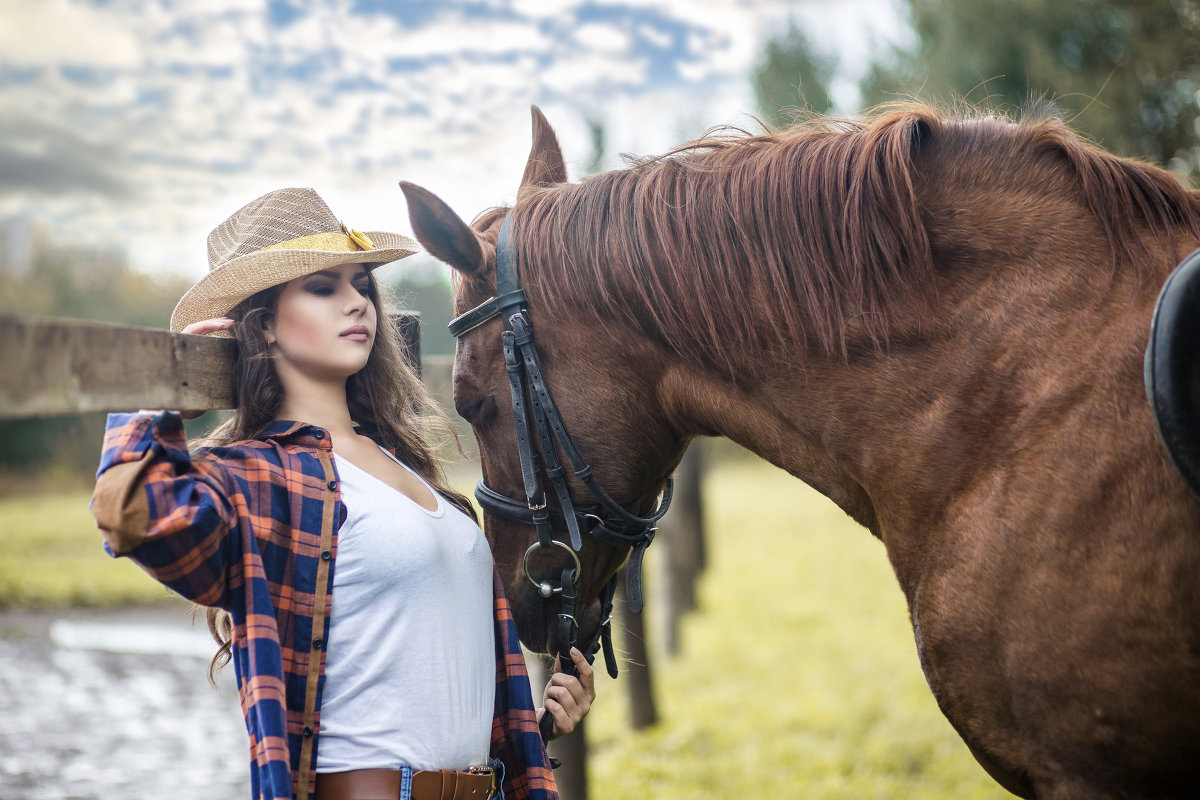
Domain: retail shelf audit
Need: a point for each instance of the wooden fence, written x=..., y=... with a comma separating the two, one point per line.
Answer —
x=59, y=366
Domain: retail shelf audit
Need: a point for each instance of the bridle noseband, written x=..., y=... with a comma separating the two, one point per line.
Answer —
x=535, y=412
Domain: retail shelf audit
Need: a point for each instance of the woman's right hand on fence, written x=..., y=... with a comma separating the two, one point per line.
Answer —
x=209, y=325
x=202, y=327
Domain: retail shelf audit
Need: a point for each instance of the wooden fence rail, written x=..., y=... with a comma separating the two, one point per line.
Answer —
x=60, y=366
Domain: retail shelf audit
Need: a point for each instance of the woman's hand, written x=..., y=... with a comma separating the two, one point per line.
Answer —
x=209, y=325
x=202, y=327
x=568, y=699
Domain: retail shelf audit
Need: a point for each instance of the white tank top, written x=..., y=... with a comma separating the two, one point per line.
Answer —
x=410, y=672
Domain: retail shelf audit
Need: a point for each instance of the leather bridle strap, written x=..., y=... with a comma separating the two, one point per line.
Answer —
x=535, y=497
x=536, y=413
x=484, y=312
x=569, y=628
x=544, y=417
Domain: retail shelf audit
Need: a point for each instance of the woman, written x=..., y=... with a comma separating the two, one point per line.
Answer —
x=374, y=652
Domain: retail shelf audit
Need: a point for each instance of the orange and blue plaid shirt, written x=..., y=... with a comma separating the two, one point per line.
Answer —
x=252, y=528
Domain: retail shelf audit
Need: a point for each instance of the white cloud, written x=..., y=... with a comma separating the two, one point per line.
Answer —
x=603, y=37
x=542, y=9
x=659, y=38
x=202, y=105
x=451, y=33
x=40, y=33
x=589, y=73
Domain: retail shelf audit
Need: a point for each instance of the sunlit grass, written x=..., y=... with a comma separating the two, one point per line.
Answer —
x=51, y=556
x=798, y=677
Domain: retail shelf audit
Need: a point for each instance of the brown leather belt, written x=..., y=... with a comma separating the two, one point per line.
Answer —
x=478, y=783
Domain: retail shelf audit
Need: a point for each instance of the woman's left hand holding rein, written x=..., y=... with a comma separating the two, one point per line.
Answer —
x=198, y=328
x=567, y=698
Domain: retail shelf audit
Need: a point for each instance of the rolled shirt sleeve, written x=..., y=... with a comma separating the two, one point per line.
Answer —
x=167, y=511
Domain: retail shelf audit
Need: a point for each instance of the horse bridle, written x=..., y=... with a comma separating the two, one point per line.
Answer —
x=606, y=520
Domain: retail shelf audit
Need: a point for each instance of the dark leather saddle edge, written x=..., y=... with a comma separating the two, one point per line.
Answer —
x=1172, y=368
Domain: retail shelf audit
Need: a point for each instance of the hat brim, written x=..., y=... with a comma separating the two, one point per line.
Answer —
x=221, y=290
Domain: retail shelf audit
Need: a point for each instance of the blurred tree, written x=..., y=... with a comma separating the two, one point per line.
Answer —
x=597, y=133
x=88, y=283
x=79, y=283
x=792, y=76
x=428, y=293
x=1124, y=72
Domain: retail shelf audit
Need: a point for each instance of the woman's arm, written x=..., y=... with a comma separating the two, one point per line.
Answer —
x=170, y=513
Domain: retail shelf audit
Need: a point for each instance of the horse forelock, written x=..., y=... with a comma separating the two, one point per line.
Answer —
x=786, y=240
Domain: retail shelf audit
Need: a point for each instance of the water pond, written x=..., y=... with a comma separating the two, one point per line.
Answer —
x=116, y=704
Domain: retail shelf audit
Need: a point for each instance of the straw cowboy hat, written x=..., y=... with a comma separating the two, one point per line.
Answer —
x=281, y=236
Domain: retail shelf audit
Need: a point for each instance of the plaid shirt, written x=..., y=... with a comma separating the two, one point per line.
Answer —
x=252, y=528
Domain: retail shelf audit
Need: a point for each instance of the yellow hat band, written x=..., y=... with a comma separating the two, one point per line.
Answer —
x=351, y=242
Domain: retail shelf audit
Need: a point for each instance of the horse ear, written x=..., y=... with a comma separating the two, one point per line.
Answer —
x=441, y=231
x=545, y=166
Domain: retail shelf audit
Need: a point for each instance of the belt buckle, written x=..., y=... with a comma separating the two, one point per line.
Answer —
x=491, y=773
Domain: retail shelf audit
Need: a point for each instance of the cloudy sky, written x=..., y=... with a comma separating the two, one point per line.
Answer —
x=142, y=124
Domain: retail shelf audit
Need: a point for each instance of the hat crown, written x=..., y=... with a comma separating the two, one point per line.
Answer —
x=277, y=216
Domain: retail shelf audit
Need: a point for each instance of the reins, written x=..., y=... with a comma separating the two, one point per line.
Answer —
x=535, y=412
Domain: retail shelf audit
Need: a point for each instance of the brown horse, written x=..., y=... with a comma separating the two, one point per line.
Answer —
x=938, y=323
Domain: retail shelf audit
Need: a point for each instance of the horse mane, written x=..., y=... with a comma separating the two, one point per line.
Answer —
x=804, y=231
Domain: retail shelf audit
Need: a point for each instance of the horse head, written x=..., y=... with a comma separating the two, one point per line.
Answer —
x=613, y=418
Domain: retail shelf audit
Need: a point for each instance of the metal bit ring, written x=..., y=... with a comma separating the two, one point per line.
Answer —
x=544, y=587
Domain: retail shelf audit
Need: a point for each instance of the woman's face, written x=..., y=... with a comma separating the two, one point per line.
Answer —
x=325, y=323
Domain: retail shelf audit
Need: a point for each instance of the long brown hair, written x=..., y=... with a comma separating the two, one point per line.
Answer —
x=385, y=397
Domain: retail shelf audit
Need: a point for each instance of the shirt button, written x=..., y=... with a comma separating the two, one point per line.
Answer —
x=326, y=555
x=319, y=434
x=307, y=731
x=333, y=484
x=318, y=643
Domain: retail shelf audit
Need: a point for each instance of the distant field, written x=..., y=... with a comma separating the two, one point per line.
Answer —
x=798, y=677
x=51, y=556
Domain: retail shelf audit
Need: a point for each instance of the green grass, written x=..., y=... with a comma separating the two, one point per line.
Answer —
x=798, y=677
x=51, y=556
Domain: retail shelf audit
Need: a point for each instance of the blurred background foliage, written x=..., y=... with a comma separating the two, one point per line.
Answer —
x=1125, y=73
x=793, y=75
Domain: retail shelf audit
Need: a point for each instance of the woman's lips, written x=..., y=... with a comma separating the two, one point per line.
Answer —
x=358, y=333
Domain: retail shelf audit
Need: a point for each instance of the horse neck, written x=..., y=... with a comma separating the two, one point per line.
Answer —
x=1019, y=346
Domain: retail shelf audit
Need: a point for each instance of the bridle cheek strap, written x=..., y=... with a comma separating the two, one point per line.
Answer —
x=534, y=409
x=545, y=414
x=535, y=498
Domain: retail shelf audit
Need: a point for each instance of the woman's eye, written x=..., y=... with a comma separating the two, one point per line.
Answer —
x=364, y=290
x=320, y=289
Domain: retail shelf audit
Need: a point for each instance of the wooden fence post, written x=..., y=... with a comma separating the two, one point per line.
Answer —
x=643, y=711
x=682, y=533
